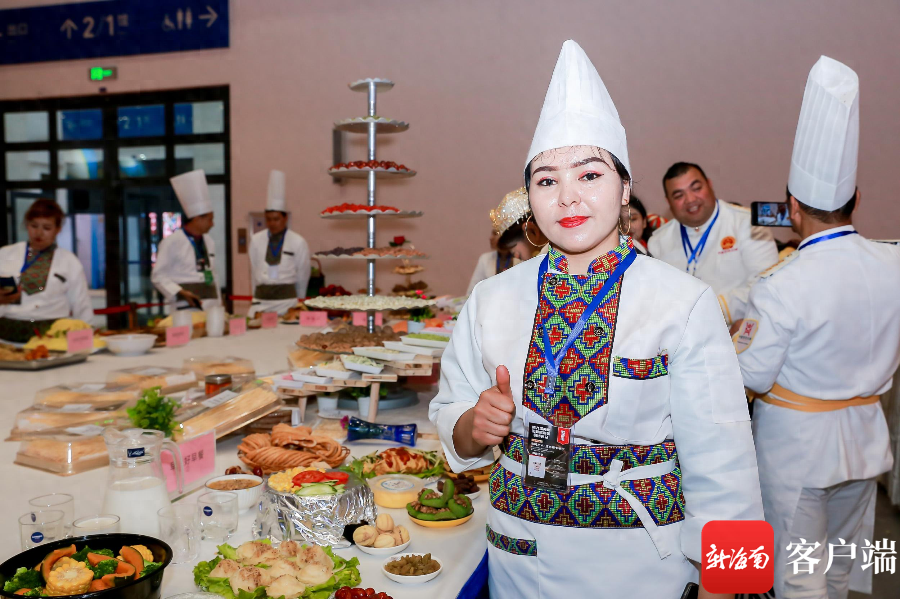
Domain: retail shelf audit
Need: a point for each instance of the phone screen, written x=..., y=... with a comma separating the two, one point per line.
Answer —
x=770, y=214
x=8, y=285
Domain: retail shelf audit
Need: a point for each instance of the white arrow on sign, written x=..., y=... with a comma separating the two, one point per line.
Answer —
x=69, y=27
x=210, y=17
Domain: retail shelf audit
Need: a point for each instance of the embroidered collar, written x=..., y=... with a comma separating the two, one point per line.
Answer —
x=602, y=264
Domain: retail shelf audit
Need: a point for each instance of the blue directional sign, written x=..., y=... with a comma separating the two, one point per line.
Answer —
x=111, y=28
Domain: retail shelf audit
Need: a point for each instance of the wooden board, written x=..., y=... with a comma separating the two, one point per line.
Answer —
x=417, y=372
x=418, y=361
x=386, y=376
x=347, y=383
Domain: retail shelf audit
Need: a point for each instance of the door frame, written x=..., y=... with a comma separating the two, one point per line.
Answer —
x=115, y=233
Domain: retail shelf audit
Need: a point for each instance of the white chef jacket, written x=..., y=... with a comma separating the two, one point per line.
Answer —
x=735, y=254
x=700, y=404
x=824, y=323
x=66, y=292
x=293, y=268
x=176, y=263
x=486, y=267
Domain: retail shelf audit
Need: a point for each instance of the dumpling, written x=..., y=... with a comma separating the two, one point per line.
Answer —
x=225, y=568
x=314, y=555
x=289, y=548
x=282, y=566
x=248, y=579
x=285, y=587
x=254, y=553
x=314, y=574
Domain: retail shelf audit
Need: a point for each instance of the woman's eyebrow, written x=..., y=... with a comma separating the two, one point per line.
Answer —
x=575, y=165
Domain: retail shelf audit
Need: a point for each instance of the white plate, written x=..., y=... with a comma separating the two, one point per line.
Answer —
x=380, y=354
x=365, y=257
x=361, y=125
x=433, y=486
x=411, y=341
x=383, y=551
x=330, y=373
x=374, y=370
x=420, y=350
x=308, y=377
x=362, y=85
x=411, y=578
x=403, y=214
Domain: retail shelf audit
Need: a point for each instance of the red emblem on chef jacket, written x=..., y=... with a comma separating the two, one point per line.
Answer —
x=728, y=242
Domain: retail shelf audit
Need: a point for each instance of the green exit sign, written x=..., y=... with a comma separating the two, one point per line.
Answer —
x=102, y=73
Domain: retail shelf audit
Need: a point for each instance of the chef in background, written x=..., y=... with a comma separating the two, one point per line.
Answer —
x=820, y=343
x=711, y=239
x=279, y=257
x=185, y=269
x=48, y=282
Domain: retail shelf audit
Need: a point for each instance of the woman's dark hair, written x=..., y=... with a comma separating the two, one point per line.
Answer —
x=621, y=171
x=635, y=203
x=513, y=235
x=45, y=208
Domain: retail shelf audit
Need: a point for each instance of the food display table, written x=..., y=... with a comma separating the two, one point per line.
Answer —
x=460, y=549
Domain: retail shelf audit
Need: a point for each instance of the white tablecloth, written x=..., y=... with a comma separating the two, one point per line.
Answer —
x=460, y=548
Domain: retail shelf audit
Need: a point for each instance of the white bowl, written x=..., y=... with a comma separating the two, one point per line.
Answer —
x=383, y=551
x=411, y=578
x=130, y=344
x=247, y=498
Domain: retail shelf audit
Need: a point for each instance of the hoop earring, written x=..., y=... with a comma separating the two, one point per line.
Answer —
x=622, y=230
x=525, y=231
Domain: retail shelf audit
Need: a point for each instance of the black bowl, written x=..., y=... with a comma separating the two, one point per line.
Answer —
x=145, y=587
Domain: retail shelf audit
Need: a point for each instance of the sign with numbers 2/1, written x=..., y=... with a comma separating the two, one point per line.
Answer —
x=111, y=28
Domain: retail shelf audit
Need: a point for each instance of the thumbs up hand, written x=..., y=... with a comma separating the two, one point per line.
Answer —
x=494, y=411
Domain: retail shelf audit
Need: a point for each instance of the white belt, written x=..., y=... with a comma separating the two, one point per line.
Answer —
x=665, y=544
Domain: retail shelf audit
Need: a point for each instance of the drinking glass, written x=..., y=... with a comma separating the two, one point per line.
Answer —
x=63, y=502
x=95, y=524
x=41, y=526
x=218, y=513
x=179, y=527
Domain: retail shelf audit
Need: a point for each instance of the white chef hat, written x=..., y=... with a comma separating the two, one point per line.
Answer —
x=578, y=110
x=823, y=164
x=275, y=198
x=193, y=193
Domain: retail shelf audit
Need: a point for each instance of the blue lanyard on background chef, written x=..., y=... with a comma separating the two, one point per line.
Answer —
x=549, y=448
x=201, y=258
x=692, y=253
x=276, y=252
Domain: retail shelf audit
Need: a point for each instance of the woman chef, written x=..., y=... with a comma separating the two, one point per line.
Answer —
x=185, y=269
x=279, y=258
x=50, y=280
x=607, y=379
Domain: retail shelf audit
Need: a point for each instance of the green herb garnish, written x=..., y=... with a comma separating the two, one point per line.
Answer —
x=154, y=411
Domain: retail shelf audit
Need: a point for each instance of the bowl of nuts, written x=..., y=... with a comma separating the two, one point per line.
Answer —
x=384, y=539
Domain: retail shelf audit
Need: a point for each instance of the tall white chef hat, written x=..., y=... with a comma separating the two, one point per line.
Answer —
x=275, y=198
x=823, y=165
x=578, y=110
x=193, y=193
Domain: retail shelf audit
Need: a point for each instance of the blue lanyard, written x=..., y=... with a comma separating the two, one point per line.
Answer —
x=200, y=259
x=27, y=264
x=277, y=253
x=552, y=362
x=695, y=253
x=830, y=236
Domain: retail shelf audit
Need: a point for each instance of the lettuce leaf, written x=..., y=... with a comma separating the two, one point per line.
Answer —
x=259, y=592
x=24, y=578
x=221, y=586
x=203, y=569
x=227, y=551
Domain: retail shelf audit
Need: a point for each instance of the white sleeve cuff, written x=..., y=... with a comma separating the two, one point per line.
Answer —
x=446, y=421
x=169, y=289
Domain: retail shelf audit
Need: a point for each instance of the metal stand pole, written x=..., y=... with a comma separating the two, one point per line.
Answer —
x=370, y=240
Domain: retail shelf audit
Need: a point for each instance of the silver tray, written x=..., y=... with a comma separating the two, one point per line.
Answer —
x=42, y=363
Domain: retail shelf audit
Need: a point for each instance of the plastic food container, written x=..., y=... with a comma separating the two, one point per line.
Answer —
x=395, y=490
x=85, y=396
x=210, y=365
x=143, y=378
x=63, y=454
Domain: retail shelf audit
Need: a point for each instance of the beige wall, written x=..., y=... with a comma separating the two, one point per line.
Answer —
x=714, y=82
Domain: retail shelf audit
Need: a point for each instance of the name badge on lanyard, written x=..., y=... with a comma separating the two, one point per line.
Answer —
x=549, y=450
x=208, y=277
x=691, y=252
x=273, y=272
x=276, y=252
x=548, y=447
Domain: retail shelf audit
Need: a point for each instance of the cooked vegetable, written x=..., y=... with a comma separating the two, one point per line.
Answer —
x=146, y=554
x=135, y=558
x=460, y=506
x=52, y=558
x=104, y=567
x=68, y=578
x=24, y=578
x=430, y=498
x=413, y=565
x=150, y=567
x=82, y=555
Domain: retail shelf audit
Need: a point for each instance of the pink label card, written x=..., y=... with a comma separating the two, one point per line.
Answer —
x=359, y=318
x=314, y=318
x=269, y=320
x=80, y=341
x=178, y=336
x=237, y=326
x=198, y=458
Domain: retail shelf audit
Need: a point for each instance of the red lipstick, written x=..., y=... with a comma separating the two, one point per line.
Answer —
x=570, y=222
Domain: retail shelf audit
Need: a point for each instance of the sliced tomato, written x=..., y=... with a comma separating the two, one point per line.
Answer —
x=338, y=476
x=308, y=477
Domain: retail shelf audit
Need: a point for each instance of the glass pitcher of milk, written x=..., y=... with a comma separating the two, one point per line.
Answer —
x=136, y=485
